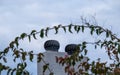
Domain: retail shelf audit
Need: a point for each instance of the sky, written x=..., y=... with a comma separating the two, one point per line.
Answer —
x=18, y=16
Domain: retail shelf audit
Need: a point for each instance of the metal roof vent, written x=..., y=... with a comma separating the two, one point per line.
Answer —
x=51, y=45
x=71, y=48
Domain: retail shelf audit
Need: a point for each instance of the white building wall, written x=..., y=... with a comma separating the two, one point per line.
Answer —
x=49, y=57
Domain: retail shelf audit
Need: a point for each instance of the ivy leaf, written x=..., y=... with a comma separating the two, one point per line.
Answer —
x=119, y=49
x=34, y=36
x=107, y=33
x=59, y=25
x=26, y=73
x=92, y=29
x=46, y=31
x=17, y=44
x=95, y=46
x=85, y=51
x=56, y=29
x=64, y=28
x=31, y=57
x=24, y=56
x=78, y=29
x=75, y=28
x=8, y=72
x=23, y=35
x=33, y=31
x=97, y=31
x=29, y=38
x=69, y=28
x=45, y=67
x=16, y=39
x=42, y=33
x=11, y=44
x=82, y=28
x=25, y=64
x=73, y=63
x=39, y=57
x=18, y=72
x=12, y=73
x=4, y=59
x=16, y=52
x=6, y=50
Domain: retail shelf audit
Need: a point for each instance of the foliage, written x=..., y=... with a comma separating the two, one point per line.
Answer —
x=112, y=46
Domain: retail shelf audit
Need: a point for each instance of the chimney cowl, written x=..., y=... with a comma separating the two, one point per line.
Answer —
x=71, y=48
x=51, y=45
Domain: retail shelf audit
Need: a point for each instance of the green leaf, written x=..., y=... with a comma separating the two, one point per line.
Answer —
x=25, y=64
x=11, y=44
x=12, y=73
x=42, y=33
x=26, y=73
x=31, y=57
x=33, y=31
x=56, y=29
x=17, y=39
x=92, y=30
x=95, y=46
x=73, y=63
x=18, y=65
x=101, y=30
x=85, y=51
x=78, y=29
x=24, y=56
x=69, y=28
x=6, y=50
x=46, y=31
x=82, y=28
x=18, y=72
x=23, y=35
x=45, y=67
x=8, y=72
x=107, y=34
x=21, y=49
x=39, y=57
x=4, y=59
x=97, y=31
x=16, y=52
x=64, y=28
x=75, y=28
x=29, y=37
x=17, y=44
x=59, y=25
x=119, y=49
x=102, y=45
x=34, y=36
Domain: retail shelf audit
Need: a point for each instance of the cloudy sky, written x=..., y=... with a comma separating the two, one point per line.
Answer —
x=18, y=16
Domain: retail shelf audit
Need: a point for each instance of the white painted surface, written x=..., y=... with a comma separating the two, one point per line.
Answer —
x=49, y=57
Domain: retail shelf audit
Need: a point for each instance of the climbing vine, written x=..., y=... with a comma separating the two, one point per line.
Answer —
x=112, y=47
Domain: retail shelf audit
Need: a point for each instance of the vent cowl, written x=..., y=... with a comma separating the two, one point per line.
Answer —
x=52, y=45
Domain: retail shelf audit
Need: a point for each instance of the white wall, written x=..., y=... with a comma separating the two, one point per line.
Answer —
x=49, y=57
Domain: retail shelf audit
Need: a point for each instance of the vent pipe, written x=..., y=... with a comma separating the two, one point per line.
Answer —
x=71, y=48
x=52, y=45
